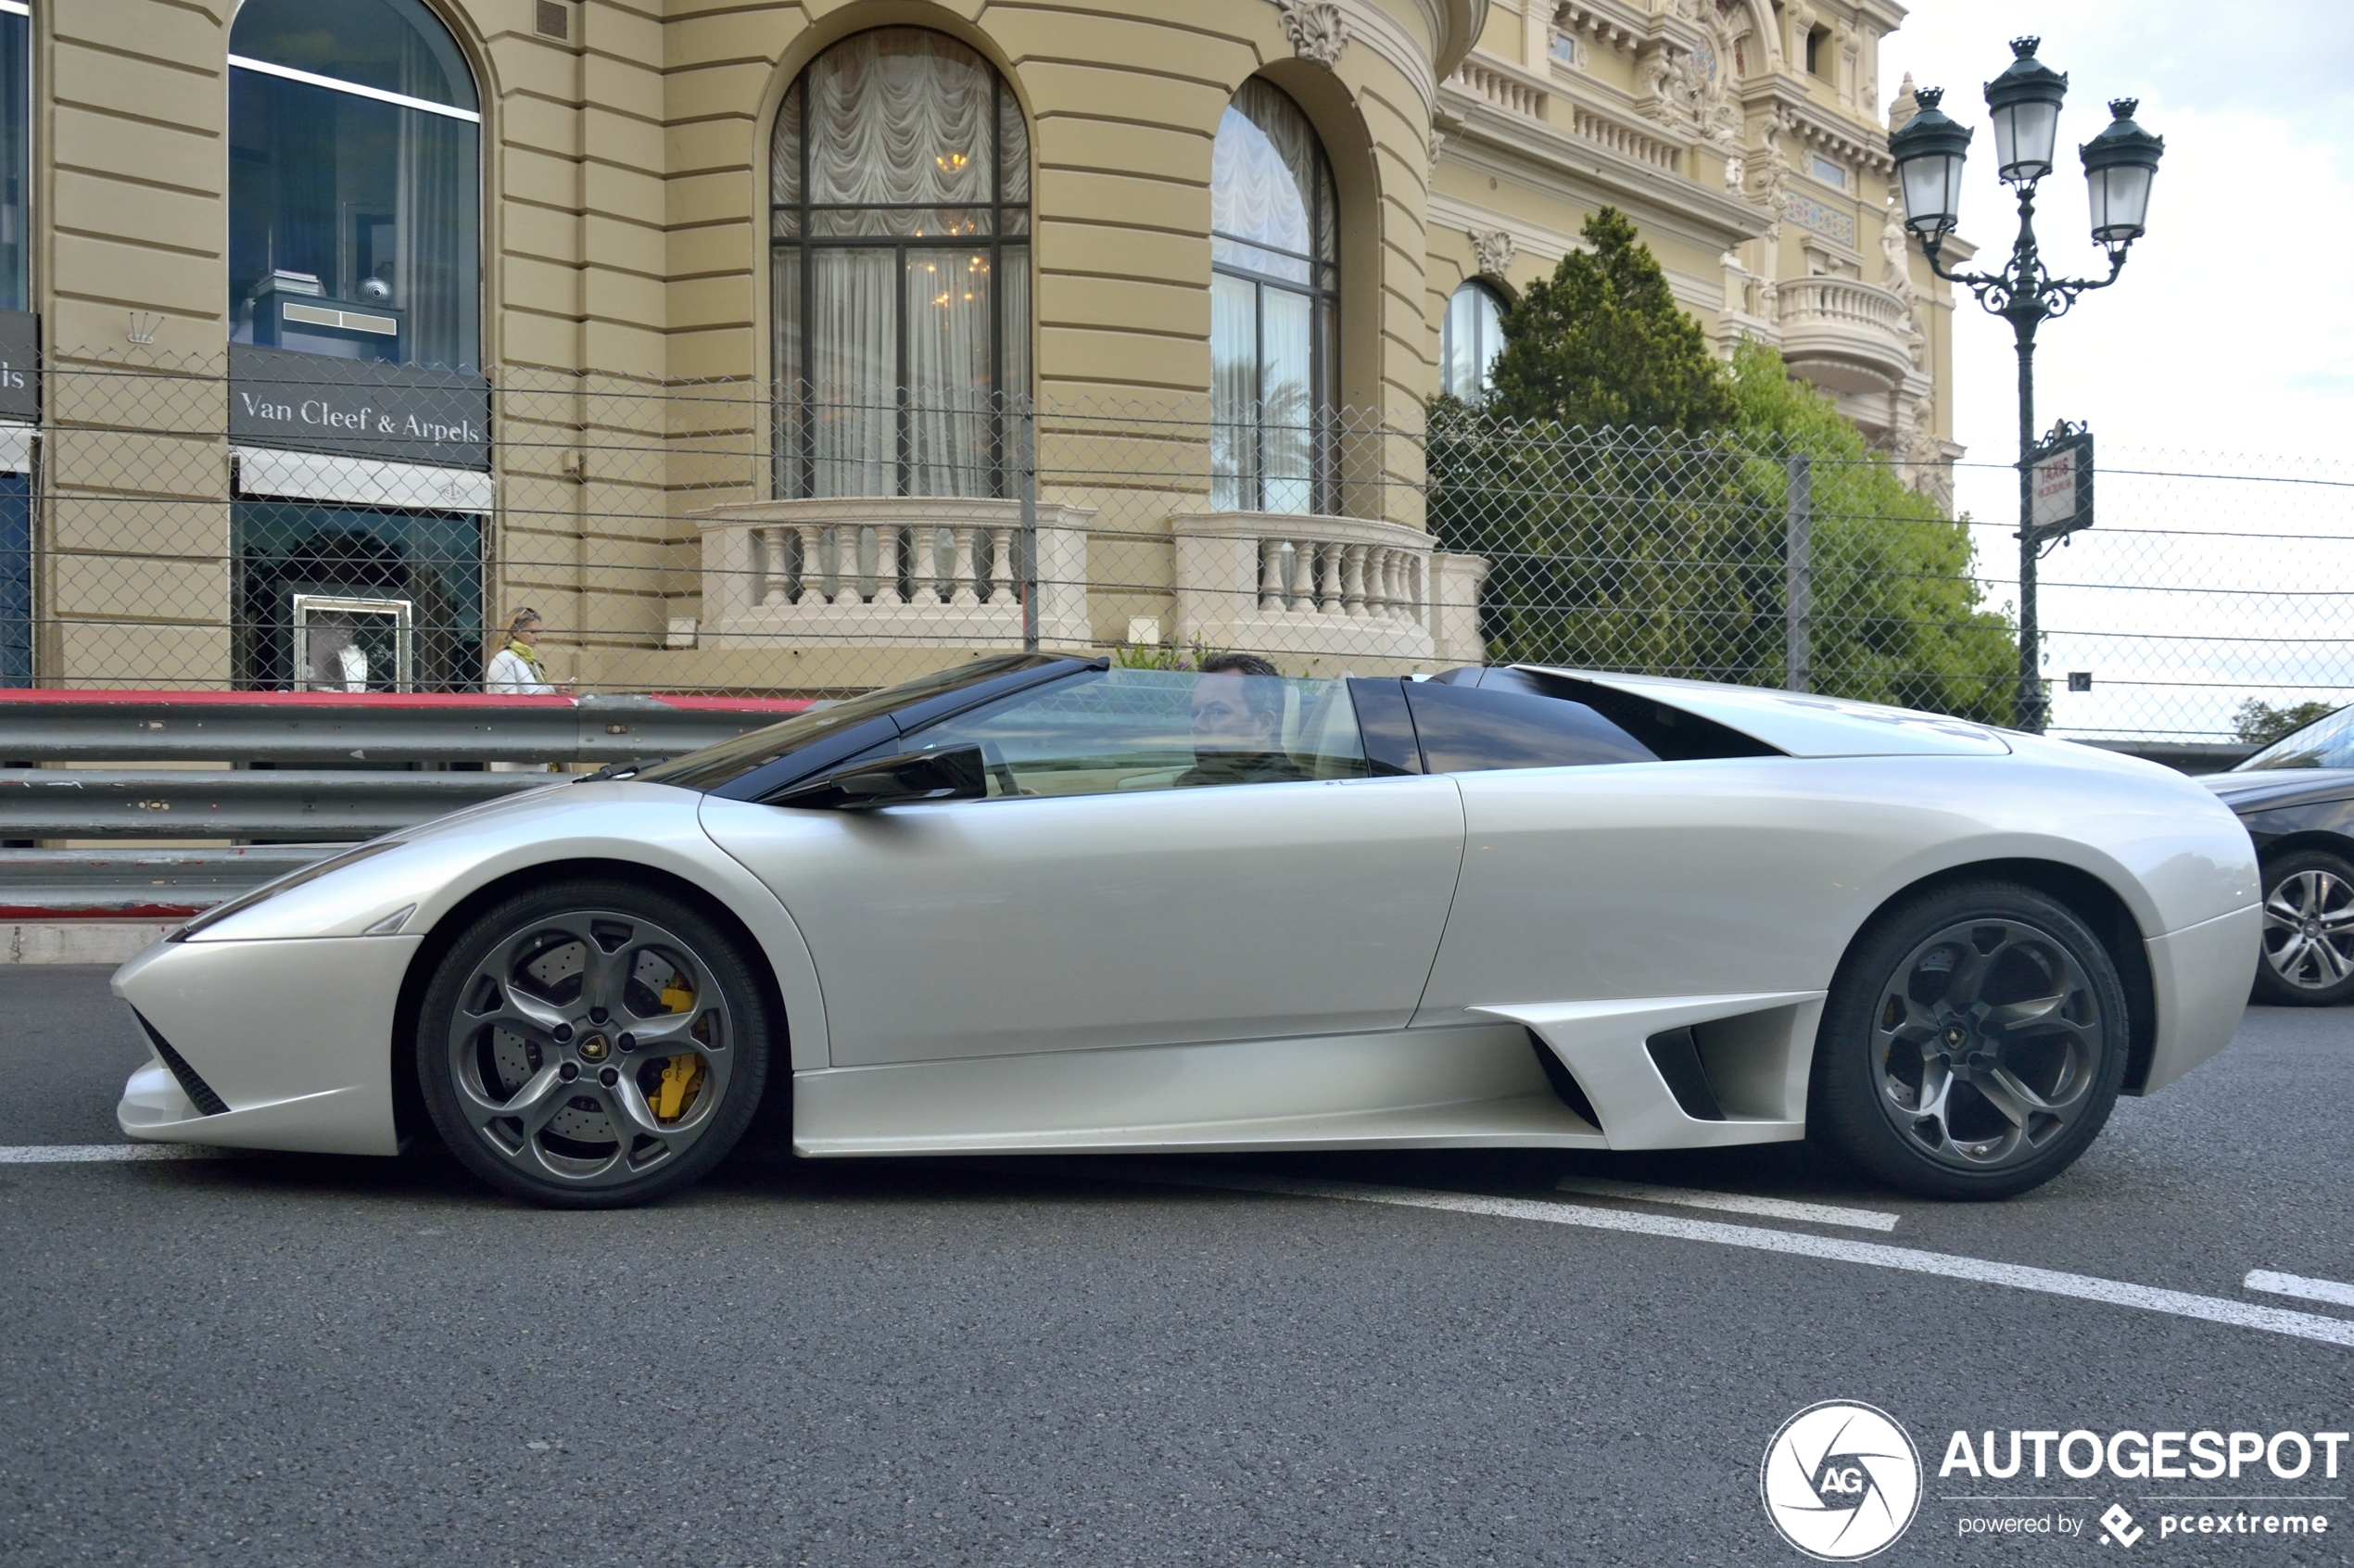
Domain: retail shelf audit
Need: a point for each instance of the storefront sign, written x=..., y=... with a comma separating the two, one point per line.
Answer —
x=357, y=408
x=20, y=367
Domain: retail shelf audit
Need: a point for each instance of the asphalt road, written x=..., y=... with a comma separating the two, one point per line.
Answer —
x=312, y=1360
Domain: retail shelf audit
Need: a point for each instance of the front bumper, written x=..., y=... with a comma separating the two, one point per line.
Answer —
x=293, y=1037
x=2201, y=975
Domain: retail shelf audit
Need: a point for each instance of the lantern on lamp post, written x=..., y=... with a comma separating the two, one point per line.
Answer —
x=2119, y=164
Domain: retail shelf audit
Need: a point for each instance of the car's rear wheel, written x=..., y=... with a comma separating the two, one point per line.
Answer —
x=2308, y=931
x=1972, y=1045
x=591, y=1043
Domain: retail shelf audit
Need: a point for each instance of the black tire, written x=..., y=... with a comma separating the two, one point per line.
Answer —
x=530, y=1056
x=1972, y=1043
x=2308, y=931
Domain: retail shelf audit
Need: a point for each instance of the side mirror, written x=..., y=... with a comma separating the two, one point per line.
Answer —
x=955, y=774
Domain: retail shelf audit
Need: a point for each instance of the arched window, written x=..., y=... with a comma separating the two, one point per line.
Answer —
x=900, y=227
x=354, y=183
x=1274, y=251
x=1470, y=338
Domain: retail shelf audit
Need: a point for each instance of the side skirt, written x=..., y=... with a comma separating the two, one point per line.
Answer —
x=1472, y=1086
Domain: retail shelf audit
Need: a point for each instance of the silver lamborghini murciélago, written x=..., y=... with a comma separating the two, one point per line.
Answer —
x=1037, y=903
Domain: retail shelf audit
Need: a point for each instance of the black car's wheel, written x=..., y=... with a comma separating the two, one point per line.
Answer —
x=589, y=1045
x=2308, y=931
x=1972, y=1043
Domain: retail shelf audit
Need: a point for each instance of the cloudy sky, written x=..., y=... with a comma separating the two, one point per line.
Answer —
x=2233, y=328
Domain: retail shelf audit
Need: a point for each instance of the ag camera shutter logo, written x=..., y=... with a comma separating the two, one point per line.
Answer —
x=1842, y=1481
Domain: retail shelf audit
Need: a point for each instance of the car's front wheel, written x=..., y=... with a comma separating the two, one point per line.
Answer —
x=1972, y=1045
x=2308, y=931
x=592, y=1043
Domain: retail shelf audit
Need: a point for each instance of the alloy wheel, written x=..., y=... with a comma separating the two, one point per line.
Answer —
x=1987, y=1042
x=590, y=1047
x=2308, y=930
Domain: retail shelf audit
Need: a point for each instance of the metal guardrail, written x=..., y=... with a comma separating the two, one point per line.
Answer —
x=315, y=728
x=139, y=884
x=307, y=772
x=284, y=804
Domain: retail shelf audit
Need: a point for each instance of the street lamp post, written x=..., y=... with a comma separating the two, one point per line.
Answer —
x=2119, y=164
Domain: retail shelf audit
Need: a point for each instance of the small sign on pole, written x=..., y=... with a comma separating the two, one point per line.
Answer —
x=2059, y=471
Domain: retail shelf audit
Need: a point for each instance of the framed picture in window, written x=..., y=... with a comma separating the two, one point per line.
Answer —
x=354, y=644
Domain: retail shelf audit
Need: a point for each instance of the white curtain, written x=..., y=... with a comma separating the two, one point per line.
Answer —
x=854, y=372
x=907, y=137
x=949, y=446
x=1234, y=392
x=900, y=115
x=1287, y=377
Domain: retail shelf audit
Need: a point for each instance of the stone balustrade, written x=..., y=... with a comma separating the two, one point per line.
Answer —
x=1337, y=588
x=888, y=571
x=1507, y=92
x=1843, y=335
x=1626, y=140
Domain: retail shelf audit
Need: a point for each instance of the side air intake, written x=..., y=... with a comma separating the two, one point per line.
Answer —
x=1565, y=1086
x=192, y=1082
x=1676, y=1056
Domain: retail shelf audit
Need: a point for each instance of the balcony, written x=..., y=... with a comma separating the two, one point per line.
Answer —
x=1340, y=588
x=1844, y=336
x=889, y=573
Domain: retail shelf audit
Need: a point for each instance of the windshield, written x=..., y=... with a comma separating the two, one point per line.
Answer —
x=2326, y=743
x=731, y=760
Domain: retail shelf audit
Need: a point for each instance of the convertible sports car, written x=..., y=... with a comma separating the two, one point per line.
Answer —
x=1037, y=903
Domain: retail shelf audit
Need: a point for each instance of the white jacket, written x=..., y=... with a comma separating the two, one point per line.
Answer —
x=510, y=677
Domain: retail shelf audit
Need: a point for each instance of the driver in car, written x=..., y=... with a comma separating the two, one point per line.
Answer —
x=1238, y=722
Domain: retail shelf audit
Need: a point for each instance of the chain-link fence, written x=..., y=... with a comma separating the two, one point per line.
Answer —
x=277, y=522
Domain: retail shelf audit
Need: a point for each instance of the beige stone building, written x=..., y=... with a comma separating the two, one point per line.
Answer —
x=707, y=330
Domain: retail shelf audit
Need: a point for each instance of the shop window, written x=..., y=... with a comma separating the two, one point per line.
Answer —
x=1469, y=336
x=900, y=235
x=356, y=599
x=1275, y=253
x=354, y=183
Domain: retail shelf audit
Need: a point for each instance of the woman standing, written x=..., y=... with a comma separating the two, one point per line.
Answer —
x=515, y=670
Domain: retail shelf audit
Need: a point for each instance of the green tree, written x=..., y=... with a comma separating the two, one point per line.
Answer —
x=1603, y=342
x=1661, y=549
x=2259, y=722
x=1898, y=617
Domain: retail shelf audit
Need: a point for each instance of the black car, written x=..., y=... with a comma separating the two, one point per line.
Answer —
x=2297, y=797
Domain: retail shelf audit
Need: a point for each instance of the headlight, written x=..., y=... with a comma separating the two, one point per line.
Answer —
x=287, y=883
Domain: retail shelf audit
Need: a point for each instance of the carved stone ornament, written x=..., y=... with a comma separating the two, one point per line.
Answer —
x=1896, y=269
x=1316, y=30
x=1491, y=251
x=1438, y=141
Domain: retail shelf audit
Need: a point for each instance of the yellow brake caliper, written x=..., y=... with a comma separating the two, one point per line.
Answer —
x=682, y=1075
x=682, y=1079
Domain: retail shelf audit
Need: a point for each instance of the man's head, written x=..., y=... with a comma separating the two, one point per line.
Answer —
x=1238, y=706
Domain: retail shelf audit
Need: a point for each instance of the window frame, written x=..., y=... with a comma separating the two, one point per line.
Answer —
x=485, y=309
x=28, y=126
x=802, y=482
x=1323, y=332
x=1480, y=285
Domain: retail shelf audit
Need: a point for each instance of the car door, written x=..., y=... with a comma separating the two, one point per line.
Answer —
x=1596, y=867
x=1121, y=886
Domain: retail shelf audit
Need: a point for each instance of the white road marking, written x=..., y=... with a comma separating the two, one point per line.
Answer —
x=2293, y=1285
x=1838, y=1249
x=90, y=1154
x=1734, y=1203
